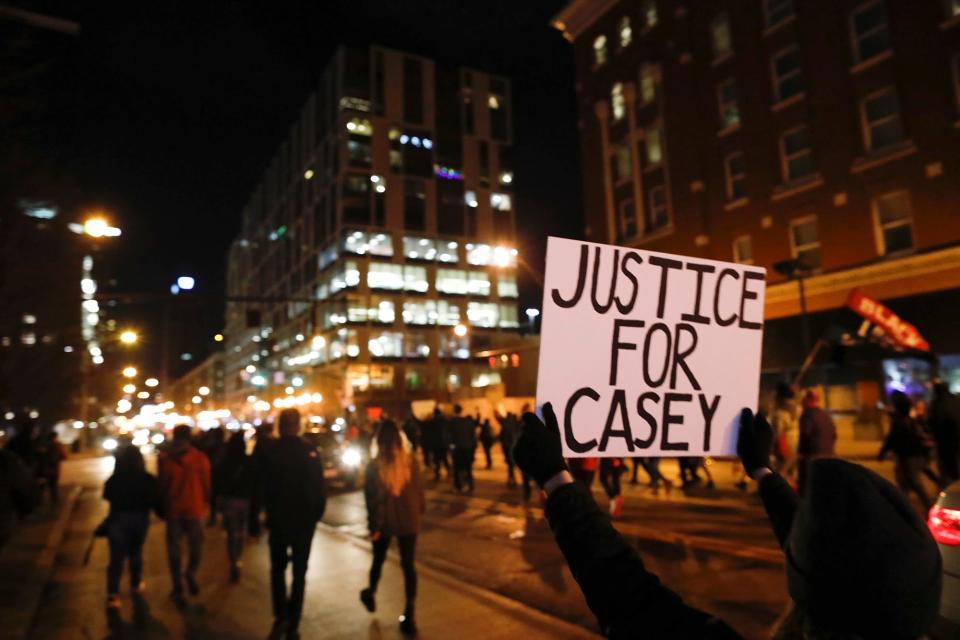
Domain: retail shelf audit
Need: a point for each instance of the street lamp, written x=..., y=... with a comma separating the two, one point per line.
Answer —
x=532, y=315
x=204, y=390
x=460, y=330
x=151, y=382
x=129, y=337
x=129, y=388
x=129, y=372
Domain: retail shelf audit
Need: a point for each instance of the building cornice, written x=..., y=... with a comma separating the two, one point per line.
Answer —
x=578, y=15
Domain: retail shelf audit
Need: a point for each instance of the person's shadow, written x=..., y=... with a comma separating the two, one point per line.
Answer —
x=532, y=548
x=143, y=624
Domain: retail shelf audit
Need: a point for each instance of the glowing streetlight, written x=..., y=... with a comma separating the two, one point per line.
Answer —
x=98, y=227
x=318, y=342
x=218, y=337
x=460, y=330
x=196, y=399
x=143, y=395
x=129, y=337
x=204, y=390
x=151, y=382
x=129, y=372
x=129, y=388
x=186, y=283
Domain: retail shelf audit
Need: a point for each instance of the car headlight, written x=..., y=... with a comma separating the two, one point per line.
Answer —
x=109, y=444
x=351, y=458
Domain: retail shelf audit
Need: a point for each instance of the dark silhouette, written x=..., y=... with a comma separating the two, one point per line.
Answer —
x=818, y=436
x=50, y=454
x=17, y=492
x=236, y=482
x=265, y=441
x=463, y=437
x=910, y=448
x=486, y=441
x=944, y=420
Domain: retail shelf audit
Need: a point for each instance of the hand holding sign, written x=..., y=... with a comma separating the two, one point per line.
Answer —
x=538, y=452
x=646, y=353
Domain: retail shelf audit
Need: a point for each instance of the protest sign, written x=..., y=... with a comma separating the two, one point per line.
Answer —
x=648, y=354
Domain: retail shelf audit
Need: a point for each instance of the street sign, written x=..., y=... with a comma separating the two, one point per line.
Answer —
x=903, y=334
x=648, y=354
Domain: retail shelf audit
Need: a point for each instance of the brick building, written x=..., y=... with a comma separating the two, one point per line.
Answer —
x=377, y=255
x=765, y=130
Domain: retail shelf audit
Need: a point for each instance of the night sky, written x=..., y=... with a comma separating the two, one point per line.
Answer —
x=166, y=114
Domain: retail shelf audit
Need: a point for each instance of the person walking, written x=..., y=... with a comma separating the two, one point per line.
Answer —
x=265, y=441
x=185, y=486
x=486, y=441
x=18, y=492
x=944, y=420
x=133, y=494
x=610, y=470
x=50, y=456
x=295, y=497
x=236, y=479
x=441, y=443
x=786, y=430
x=463, y=437
x=509, y=430
x=652, y=467
x=395, y=502
x=910, y=448
x=411, y=429
x=818, y=436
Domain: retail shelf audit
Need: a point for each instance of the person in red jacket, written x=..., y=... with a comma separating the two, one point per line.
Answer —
x=185, y=486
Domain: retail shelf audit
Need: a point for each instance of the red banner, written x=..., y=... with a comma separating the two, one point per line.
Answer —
x=902, y=333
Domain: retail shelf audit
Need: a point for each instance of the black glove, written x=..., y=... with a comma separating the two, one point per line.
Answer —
x=537, y=451
x=755, y=441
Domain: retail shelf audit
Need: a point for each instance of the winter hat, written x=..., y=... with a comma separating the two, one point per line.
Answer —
x=859, y=558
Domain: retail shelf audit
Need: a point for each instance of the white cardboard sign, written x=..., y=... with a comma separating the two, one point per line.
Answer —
x=648, y=354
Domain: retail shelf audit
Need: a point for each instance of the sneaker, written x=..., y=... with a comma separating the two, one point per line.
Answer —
x=192, y=585
x=366, y=597
x=113, y=601
x=616, y=507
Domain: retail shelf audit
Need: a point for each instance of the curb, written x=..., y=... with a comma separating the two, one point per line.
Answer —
x=18, y=619
x=559, y=627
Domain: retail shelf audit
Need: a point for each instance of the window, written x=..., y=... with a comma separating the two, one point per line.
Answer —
x=482, y=314
x=648, y=11
x=600, y=50
x=467, y=112
x=478, y=283
x=412, y=90
x=623, y=163
x=344, y=342
x=894, y=222
x=448, y=315
x=420, y=312
x=654, y=149
x=881, y=120
x=356, y=308
x=870, y=36
x=415, y=378
x=498, y=115
x=507, y=285
x=415, y=278
x=736, y=173
x=659, y=213
x=743, y=250
x=727, y=98
x=628, y=218
x=414, y=205
x=388, y=344
x=385, y=276
x=419, y=248
x=470, y=199
x=777, y=11
x=452, y=281
x=626, y=33
x=805, y=241
x=483, y=160
x=509, y=318
x=362, y=243
x=720, y=40
x=415, y=345
x=796, y=159
x=448, y=251
x=347, y=275
x=381, y=310
x=501, y=201
x=358, y=153
x=787, y=79
x=484, y=378
x=479, y=254
x=363, y=377
x=648, y=83
x=360, y=127
x=617, y=101
x=453, y=346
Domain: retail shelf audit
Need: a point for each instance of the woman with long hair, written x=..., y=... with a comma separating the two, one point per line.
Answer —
x=132, y=493
x=236, y=482
x=395, y=502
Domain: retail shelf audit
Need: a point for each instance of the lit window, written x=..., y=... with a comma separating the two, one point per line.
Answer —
x=787, y=79
x=385, y=276
x=347, y=275
x=870, y=36
x=736, y=174
x=478, y=283
x=388, y=344
x=507, y=285
x=648, y=83
x=659, y=210
x=479, y=254
x=452, y=281
x=417, y=248
x=727, y=98
x=493, y=102
x=743, y=250
x=628, y=218
x=415, y=278
x=470, y=198
x=358, y=153
x=653, y=145
x=600, y=50
x=509, y=318
x=381, y=310
x=500, y=202
x=356, y=308
x=420, y=312
x=28, y=338
x=626, y=33
x=796, y=158
x=415, y=378
x=344, y=343
x=894, y=220
x=720, y=40
x=361, y=243
x=623, y=162
x=482, y=314
x=453, y=346
x=777, y=11
x=484, y=378
x=448, y=251
x=618, y=102
x=360, y=127
x=648, y=11
x=881, y=120
x=805, y=241
x=448, y=315
x=415, y=345
x=363, y=377
x=29, y=318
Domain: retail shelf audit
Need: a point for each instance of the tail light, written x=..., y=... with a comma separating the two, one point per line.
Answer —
x=944, y=524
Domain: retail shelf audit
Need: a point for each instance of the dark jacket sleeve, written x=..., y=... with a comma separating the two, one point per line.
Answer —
x=780, y=502
x=320, y=485
x=371, y=494
x=628, y=600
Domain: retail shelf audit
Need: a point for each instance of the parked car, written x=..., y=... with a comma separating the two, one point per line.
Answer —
x=944, y=524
